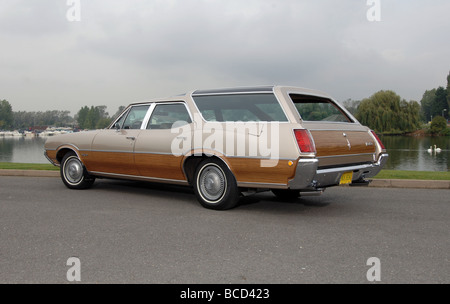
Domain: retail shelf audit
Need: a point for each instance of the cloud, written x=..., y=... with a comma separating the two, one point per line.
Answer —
x=123, y=51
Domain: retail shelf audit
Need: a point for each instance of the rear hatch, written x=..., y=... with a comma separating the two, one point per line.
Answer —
x=336, y=148
x=339, y=139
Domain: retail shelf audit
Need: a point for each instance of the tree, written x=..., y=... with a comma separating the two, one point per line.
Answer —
x=426, y=104
x=93, y=117
x=119, y=111
x=351, y=105
x=6, y=115
x=440, y=103
x=385, y=112
x=81, y=116
x=448, y=92
x=438, y=125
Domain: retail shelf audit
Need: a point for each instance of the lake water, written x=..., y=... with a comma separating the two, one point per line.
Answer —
x=406, y=153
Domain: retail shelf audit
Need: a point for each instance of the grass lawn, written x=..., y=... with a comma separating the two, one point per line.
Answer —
x=16, y=166
x=421, y=175
x=384, y=174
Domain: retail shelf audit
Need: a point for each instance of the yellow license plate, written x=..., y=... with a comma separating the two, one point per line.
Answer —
x=346, y=178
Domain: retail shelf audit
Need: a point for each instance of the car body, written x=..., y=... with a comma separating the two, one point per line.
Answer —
x=225, y=143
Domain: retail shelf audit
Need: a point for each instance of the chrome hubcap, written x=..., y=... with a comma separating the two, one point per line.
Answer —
x=73, y=170
x=212, y=183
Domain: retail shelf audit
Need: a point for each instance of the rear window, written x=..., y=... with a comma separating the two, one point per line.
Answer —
x=240, y=107
x=312, y=108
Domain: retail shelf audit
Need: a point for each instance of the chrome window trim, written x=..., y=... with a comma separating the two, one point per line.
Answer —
x=147, y=116
x=346, y=155
x=231, y=93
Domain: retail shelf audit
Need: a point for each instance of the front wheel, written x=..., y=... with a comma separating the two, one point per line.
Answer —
x=74, y=174
x=215, y=186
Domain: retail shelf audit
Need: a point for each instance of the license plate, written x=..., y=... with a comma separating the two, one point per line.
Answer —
x=346, y=178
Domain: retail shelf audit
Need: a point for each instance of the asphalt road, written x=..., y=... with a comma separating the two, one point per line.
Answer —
x=128, y=232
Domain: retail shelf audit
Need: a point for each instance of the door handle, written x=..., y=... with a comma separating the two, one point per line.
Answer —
x=182, y=137
x=131, y=137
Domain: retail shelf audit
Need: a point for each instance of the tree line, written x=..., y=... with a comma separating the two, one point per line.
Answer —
x=387, y=113
x=94, y=117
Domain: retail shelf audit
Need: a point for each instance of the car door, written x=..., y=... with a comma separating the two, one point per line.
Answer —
x=159, y=148
x=113, y=149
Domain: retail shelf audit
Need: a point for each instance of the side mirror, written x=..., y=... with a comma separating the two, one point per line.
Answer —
x=117, y=126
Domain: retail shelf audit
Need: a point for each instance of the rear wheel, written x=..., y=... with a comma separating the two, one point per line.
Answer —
x=73, y=172
x=215, y=186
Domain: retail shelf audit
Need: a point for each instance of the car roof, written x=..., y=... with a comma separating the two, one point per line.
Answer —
x=234, y=90
x=237, y=90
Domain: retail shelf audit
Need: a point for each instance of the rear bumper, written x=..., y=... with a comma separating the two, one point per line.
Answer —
x=309, y=177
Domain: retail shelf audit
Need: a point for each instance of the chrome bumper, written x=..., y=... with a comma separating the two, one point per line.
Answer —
x=309, y=177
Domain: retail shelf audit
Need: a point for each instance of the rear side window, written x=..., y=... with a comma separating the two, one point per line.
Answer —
x=312, y=108
x=240, y=107
x=164, y=116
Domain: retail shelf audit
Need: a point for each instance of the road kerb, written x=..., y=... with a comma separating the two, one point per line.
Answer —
x=379, y=183
x=411, y=183
x=30, y=173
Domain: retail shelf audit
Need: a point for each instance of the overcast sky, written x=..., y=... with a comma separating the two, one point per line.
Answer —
x=126, y=51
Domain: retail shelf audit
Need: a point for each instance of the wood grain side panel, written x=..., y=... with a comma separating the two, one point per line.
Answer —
x=110, y=162
x=159, y=166
x=250, y=171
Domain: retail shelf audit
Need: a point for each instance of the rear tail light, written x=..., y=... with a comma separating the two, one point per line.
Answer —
x=305, y=141
x=378, y=140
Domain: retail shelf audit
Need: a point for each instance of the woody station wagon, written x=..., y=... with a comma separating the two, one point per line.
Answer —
x=226, y=143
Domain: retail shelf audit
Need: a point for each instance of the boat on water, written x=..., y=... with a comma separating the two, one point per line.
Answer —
x=11, y=134
x=29, y=134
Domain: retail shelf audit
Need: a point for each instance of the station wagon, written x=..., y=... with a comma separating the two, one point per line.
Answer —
x=225, y=143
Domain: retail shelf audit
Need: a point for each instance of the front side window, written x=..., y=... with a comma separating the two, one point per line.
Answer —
x=240, y=107
x=164, y=116
x=135, y=117
x=120, y=121
x=313, y=108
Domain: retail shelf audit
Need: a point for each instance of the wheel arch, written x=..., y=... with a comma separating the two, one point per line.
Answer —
x=191, y=163
x=62, y=151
